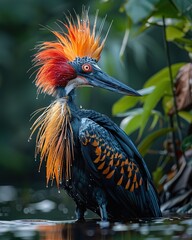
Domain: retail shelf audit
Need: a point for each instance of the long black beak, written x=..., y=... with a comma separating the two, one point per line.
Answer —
x=103, y=80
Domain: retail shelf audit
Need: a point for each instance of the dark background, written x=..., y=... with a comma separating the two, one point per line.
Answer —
x=21, y=28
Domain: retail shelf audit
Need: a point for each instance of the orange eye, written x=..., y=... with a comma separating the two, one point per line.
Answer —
x=87, y=68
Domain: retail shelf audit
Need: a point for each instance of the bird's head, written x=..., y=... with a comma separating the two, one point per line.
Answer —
x=71, y=61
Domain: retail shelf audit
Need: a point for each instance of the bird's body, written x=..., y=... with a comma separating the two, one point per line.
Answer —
x=86, y=153
x=108, y=173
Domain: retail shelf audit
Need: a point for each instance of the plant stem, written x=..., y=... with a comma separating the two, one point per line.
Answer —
x=174, y=99
x=174, y=142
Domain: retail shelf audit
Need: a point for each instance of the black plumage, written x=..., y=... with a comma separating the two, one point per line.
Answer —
x=109, y=175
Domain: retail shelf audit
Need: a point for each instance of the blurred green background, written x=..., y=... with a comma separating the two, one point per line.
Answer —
x=21, y=28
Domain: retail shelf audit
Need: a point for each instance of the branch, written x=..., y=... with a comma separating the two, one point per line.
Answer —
x=174, y=98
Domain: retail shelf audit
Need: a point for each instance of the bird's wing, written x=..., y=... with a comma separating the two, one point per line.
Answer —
x=120, y=136
x=115, y=168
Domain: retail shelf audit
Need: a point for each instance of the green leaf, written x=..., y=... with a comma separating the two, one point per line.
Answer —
x=124, y=104
x=163, y=74
x=157, y=175
x=131, y=123
x=138, y=10
x=149, y=140
x=187, y=143
x=133, y=120
x=186, y=115
x=184, y=7
x=127, y=102
x=184, y=43
x=173, y=33
x=132, y=112
x=188, y=49
x=184, y=25
x=146, y=91
x=151, y=101
x=155, y=121
x=167, y=9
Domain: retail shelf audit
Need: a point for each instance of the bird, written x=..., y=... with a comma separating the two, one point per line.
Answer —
x=85, y=152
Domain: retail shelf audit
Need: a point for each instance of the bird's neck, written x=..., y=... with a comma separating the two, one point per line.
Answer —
x=69, y=98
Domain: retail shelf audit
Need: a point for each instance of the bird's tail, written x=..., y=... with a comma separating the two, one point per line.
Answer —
x=153, y=198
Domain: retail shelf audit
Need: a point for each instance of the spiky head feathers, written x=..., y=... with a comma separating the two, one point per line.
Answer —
x=53, y=58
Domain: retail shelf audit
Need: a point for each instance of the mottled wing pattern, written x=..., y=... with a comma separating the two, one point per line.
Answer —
x=107, y=157
x=120, y=136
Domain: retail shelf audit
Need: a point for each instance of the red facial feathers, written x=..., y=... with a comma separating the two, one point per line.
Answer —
x=54, y=70
x=53, y=57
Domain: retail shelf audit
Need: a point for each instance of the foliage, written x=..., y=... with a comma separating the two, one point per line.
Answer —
x=163, y=112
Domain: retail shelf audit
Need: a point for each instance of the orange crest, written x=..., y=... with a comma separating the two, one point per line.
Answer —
x=80, y=40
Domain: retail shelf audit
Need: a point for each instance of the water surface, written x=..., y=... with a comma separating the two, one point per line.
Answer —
x=45, y=214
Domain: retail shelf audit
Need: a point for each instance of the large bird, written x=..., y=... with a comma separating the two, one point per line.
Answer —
x=86, y=153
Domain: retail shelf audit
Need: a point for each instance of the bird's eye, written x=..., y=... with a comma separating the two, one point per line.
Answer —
x=87, y=68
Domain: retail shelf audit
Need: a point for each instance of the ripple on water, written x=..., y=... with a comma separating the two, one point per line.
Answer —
x=44, y=229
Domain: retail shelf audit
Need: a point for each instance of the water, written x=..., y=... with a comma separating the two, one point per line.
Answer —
x=45, y=214
x=164, y=228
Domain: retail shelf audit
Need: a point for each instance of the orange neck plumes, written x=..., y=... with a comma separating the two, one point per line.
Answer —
x=55, y=141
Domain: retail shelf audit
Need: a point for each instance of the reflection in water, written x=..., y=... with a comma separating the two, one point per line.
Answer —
x=48, y=204
x=56, y=232
x=75, y=231
x=164, y=228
